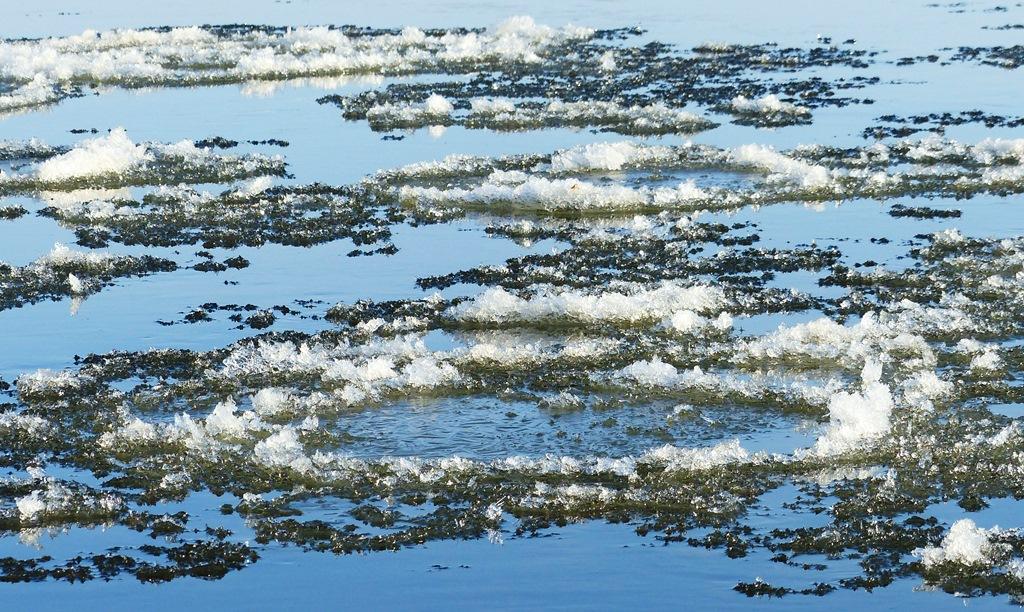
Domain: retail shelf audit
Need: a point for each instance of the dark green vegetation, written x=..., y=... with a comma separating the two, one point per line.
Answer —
x=636, y=94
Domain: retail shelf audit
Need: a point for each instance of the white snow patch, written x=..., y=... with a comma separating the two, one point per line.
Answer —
x=766, y=105
x=497, y=304
x=783, y=167
x=858, y=418
x=283, y=449
x=965, y=544
x=114, y=153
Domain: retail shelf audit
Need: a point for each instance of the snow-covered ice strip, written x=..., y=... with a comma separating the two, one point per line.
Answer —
x=116, y=158
x=186, y=55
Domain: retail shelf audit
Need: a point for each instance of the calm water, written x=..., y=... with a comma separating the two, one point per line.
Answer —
x=583, y=566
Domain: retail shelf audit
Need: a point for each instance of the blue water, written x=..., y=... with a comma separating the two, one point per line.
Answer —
x=587, y=566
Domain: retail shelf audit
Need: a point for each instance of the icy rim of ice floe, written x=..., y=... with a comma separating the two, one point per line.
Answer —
x=45, y=71
x=509, y=115
x=115, y=160
x=930, y=167
x=69, y=272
